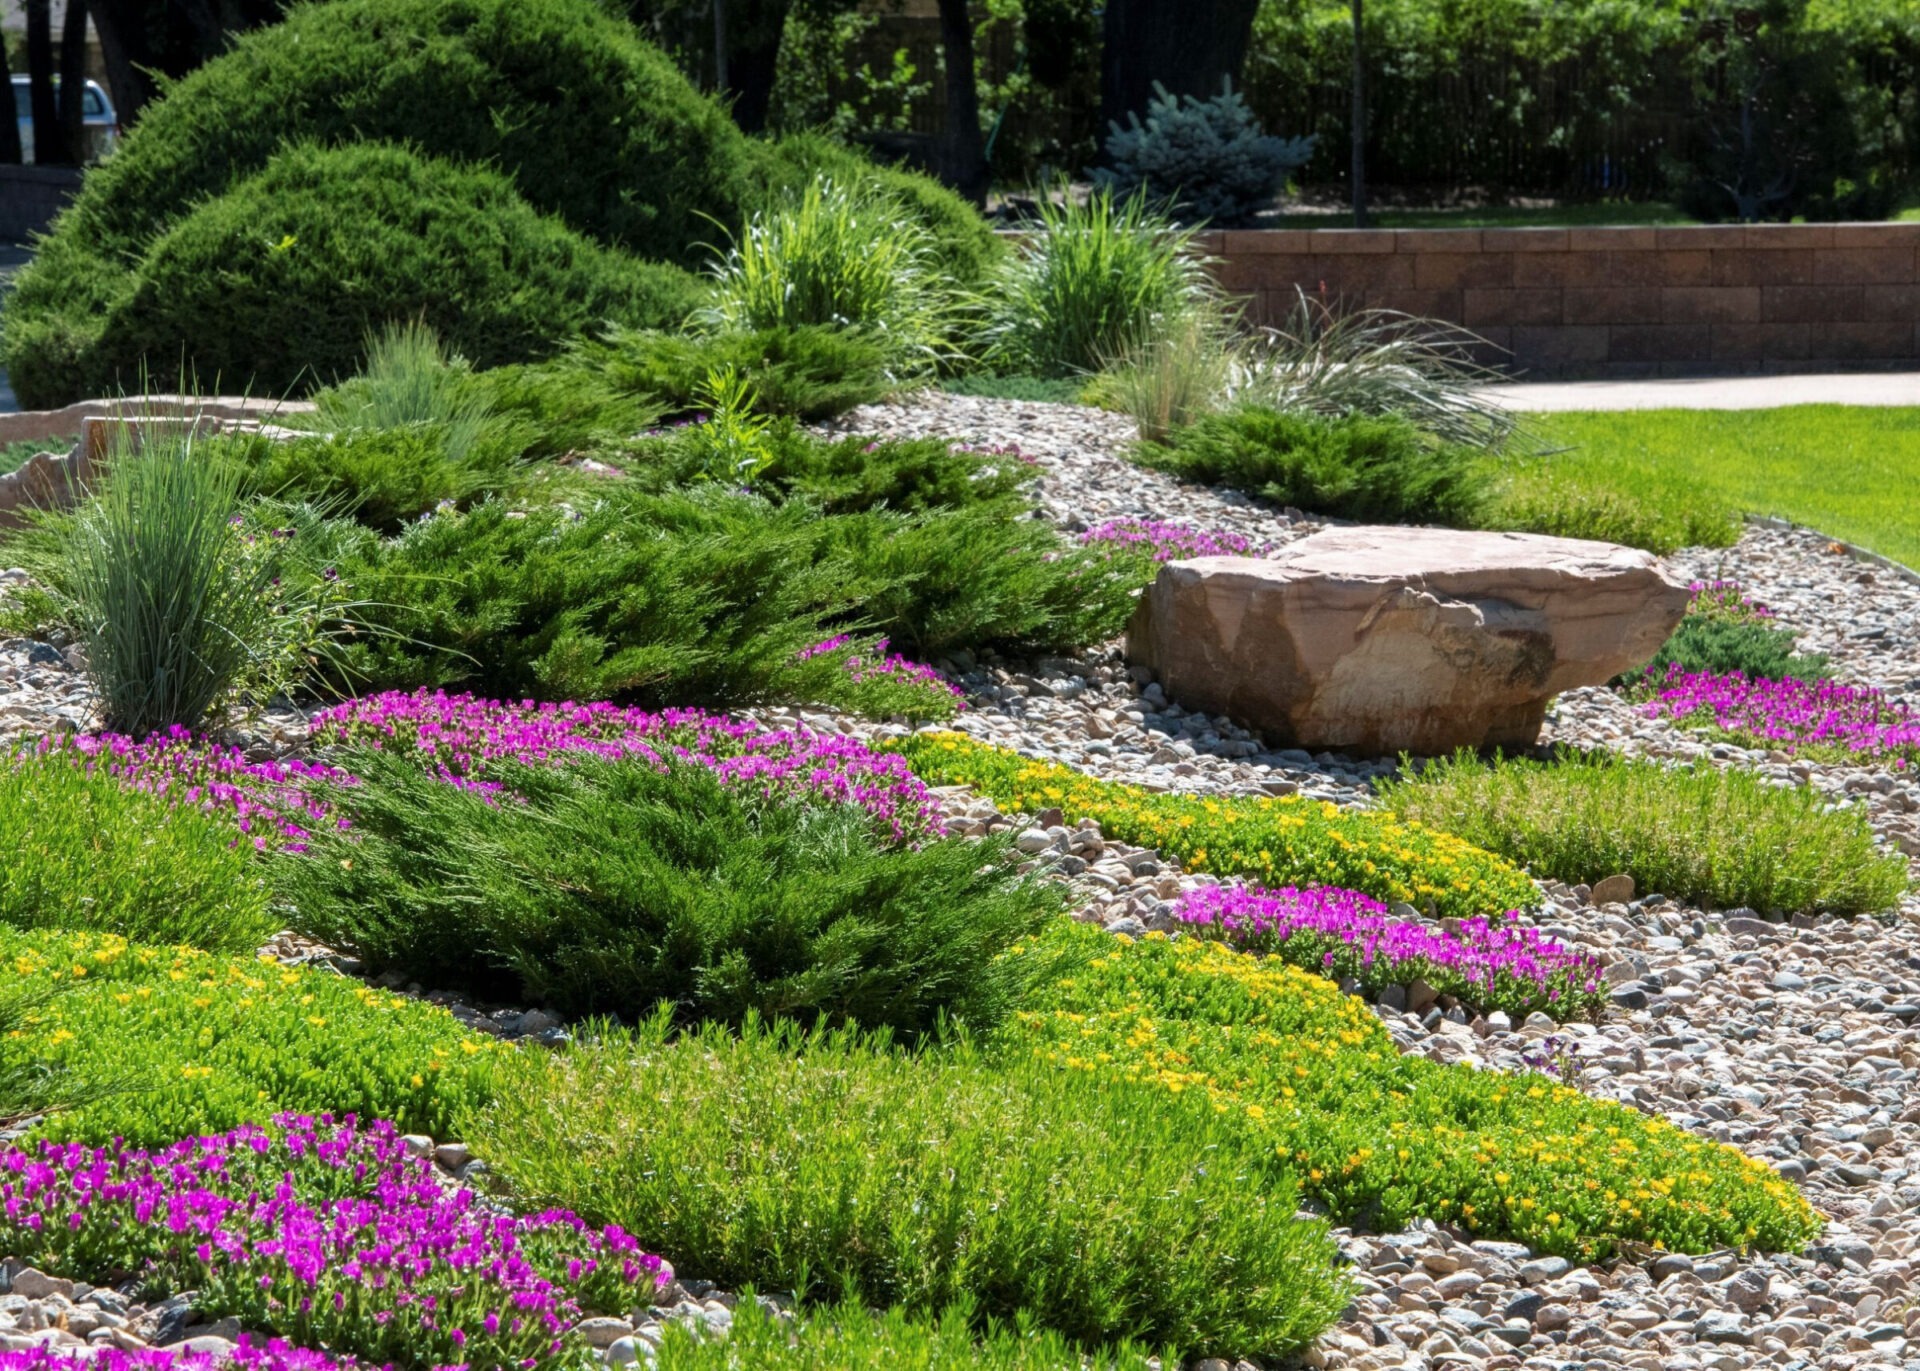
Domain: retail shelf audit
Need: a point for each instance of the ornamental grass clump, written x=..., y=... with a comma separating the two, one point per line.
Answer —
x=326, y=1232
x=1275, y=842
x=1723, y=839
x=610, y=886
x=214, y=1042
x=1094, y=281
x=1320, y=1096
x=842, y=255
x=184, y=607
x=1487, y=963
x=839, y=1167
x=79, y=848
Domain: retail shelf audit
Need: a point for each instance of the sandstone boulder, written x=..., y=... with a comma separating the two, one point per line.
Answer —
x=1382, y=640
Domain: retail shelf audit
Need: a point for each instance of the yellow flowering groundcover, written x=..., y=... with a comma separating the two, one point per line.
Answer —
x=1276, y=842
x=1383, y=1138
x=203, y=1043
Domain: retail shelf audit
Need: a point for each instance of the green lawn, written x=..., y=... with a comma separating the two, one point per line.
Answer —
x=1603, y=215
x=1851, y=471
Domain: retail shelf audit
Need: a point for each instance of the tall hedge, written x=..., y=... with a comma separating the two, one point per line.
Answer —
x=583, y=119
x=274, y=285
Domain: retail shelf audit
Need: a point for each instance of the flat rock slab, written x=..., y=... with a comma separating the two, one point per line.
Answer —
x=1380, y=640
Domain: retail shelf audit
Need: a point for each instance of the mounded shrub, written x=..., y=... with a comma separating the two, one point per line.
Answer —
x=569, y=105
x=841, y=1168
x=274, y=284
x=810, y=372
x=1352, y=468
x=612, y=886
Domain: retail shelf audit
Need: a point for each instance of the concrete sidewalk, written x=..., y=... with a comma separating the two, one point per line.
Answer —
x=1712, y=392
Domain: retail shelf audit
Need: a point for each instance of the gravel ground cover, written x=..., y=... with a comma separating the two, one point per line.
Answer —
x=1798, y=1042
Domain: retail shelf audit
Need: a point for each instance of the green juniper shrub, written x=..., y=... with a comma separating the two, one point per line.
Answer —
x=273, y=285
x=810, y=371
x=703, y=597
x=610, y=887
x=82, y=850
x=1704, y=643
x=213, y=1042
x=1353, y=468
x=383, y=478
x=974, y=578
x=842, y=1168
x=1720, y=839
x=850, y=1337
x=556, y=408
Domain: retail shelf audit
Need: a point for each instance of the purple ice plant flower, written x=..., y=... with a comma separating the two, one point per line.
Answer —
x=275, y=1355
x=1487, y=963
x=1792, y=715
x=1168, y=542
x=459, y=737
x=870, y=661
x=327, y=1232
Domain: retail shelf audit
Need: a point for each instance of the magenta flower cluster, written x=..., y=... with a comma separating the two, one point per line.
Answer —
x=1792, y=715
x=459, y=736
x=1168, y=542
x=870, y=661
x=275, y=1355
x=275, y=802
x=1488, y=964
x=1726, y=600
x=327, y=1233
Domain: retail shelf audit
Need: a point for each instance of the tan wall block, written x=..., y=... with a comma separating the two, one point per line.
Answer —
x=1357, y=272
x=1562, y=346
x=1892, y=304
x=1778, y=237
x=1811, y=304
x=1611, y=305
x=1751, y=266
x=1612, y=239
x=1875, y=235
x=1856, y=342
x=1447, y=270
x=1353, y=240
x=1695, y=237
x=1257, y=242
x=1523, y=240
x=1538, y=270
x=1436, y=240
x=1661, y=269
x=1863, y=266
x=1511, y=307
x=1659, y=343
x=1759, y=342
x=1710, y=304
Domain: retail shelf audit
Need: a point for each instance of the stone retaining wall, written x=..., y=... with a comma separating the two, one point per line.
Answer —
x=1599, y=302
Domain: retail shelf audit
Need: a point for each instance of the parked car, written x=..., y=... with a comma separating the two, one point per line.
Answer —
x=96, y=113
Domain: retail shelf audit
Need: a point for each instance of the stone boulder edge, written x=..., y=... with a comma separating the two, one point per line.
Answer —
x=1378, y=640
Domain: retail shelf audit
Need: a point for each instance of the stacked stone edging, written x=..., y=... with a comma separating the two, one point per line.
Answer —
x=1615, y=302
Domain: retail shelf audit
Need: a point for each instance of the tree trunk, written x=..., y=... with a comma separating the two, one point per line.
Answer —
x=171, y=38
x=123, y=51
x=752, y=59
x=10, y=135
x=47, y=147
x=73, y=82
x=1188, y=46
x=1359, y=122
x=965, y=161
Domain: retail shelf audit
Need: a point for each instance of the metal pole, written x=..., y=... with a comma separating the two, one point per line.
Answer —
x=720, y=44
x=1359, y=123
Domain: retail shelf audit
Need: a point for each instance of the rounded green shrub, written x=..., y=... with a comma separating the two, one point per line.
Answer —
x=274, y=285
